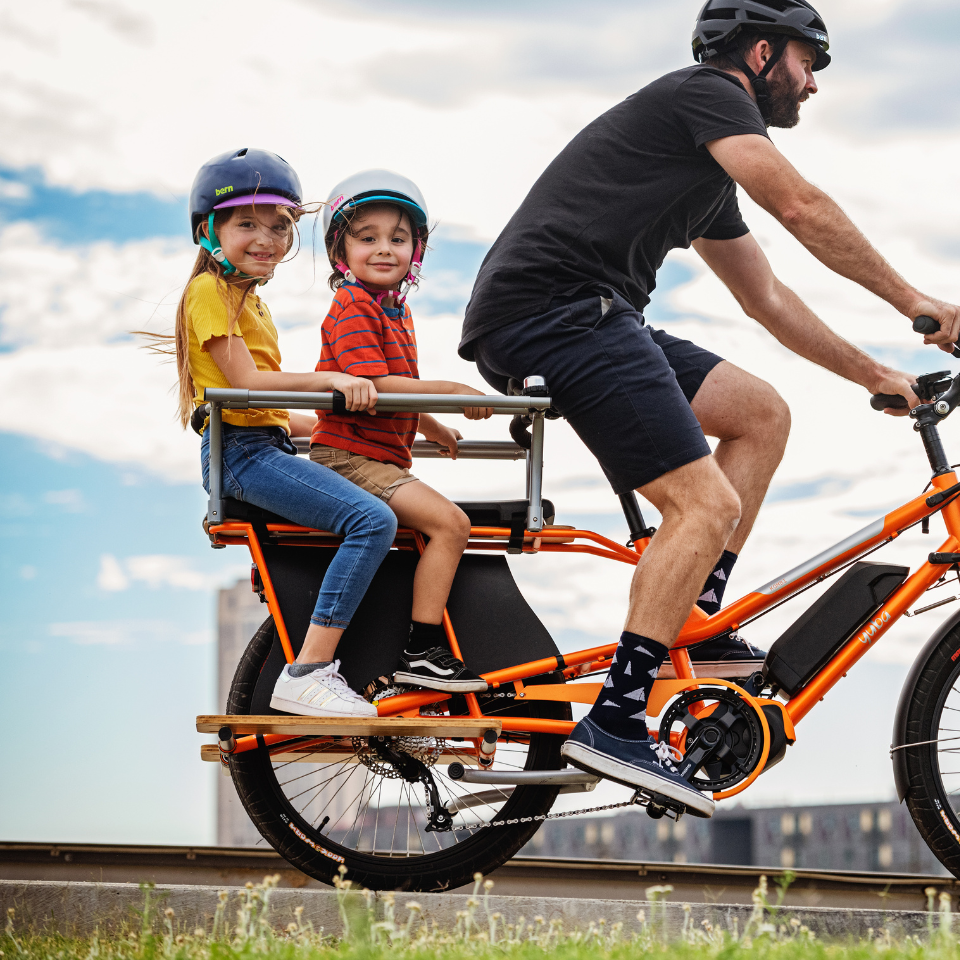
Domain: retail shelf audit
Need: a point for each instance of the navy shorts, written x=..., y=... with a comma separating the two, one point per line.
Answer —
x=624, y=388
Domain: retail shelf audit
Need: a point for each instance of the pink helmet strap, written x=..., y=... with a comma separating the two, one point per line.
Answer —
x=409, y=280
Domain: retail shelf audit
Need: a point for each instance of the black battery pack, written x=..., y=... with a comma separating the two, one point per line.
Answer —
x=806, y=645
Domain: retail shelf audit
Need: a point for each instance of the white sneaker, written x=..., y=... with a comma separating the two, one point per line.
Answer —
x=323, y=693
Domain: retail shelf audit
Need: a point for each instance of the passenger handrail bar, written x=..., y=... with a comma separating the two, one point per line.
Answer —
x=387, y=403
x=466, y=449
x=220, y=398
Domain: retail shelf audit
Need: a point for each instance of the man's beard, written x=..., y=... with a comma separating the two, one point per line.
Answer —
x=783, y=107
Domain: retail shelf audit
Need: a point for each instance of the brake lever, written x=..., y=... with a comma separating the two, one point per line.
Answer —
x=926, y=326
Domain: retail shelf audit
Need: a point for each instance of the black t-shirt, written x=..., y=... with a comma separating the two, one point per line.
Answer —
x=633, y=185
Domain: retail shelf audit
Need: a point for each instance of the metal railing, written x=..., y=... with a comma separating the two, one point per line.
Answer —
x=221, y=399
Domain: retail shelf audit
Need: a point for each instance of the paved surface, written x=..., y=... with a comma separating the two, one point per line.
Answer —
x=522, y=876
x=79, y=908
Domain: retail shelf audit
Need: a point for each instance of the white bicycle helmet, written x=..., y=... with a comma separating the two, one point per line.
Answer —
x=378, y=186
x=375, y=186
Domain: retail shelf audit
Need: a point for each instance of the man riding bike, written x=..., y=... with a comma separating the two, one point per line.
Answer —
x=561, y=294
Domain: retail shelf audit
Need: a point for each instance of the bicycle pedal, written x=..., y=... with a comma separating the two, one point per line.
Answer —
x=658, y=806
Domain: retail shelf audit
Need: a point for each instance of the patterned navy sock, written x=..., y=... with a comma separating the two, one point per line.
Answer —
x=711, y=600
x=621, y=708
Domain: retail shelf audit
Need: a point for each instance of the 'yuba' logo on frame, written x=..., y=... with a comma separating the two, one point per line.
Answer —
x=874, y=625
x=222, y=190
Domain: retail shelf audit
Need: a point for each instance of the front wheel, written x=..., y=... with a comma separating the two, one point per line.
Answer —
x=932, y=766
x=323, y=805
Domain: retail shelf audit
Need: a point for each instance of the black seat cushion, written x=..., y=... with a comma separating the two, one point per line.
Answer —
x=500, y=513
x=482, y=513
x=247, y=513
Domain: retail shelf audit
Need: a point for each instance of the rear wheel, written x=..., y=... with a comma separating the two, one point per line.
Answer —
x=326, y=805
x=933, y=767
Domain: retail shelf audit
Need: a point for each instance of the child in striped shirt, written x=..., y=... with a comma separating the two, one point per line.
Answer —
x=375, y=227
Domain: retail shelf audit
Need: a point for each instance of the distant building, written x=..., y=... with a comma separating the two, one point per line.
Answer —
x=848, y=836
x=239, y=614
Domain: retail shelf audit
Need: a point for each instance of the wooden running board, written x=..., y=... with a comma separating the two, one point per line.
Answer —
x=466, y=727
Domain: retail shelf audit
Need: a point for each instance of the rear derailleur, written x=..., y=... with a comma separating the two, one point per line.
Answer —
x=439, y=819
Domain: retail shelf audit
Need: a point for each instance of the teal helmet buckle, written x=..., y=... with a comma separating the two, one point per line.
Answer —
x=212, y=246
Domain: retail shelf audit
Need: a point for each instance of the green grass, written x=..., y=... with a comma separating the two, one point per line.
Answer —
x=244, y=931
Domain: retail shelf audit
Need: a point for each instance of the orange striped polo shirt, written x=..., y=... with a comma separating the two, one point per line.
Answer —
x=362, y=339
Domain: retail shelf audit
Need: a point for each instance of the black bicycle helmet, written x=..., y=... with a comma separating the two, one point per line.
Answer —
x=241, y=173
x=722, y=21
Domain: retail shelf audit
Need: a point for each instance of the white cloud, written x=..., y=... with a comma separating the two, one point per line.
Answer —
x=111, y=576
x=70, y=501
x=14, y=505
x=126, y=632
x=495, y=92
x=12, y=190
x=161, y=570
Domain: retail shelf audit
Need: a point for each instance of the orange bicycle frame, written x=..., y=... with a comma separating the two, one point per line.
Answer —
x=698, y=628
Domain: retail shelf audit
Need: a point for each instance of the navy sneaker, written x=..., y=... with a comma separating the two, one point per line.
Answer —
x=643, y=764
x=729, y=657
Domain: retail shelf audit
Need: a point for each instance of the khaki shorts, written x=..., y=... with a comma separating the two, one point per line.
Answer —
x=376, y=477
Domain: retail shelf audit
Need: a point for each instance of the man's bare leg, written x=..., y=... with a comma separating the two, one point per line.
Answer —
x=752, y=422
x=700, y=510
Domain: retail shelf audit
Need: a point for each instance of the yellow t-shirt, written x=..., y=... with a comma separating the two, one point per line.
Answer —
x=208, y=316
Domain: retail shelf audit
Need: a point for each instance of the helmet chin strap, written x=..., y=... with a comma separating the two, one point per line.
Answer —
x=378, y=295
x=212, y=246
x=759, y=80
x=400, y=296
x=410, y=279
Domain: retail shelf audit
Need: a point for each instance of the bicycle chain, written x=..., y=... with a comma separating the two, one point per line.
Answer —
x=633, y=801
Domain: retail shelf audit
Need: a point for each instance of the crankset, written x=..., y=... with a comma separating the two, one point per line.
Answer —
x=722, y=742
x=415, y=771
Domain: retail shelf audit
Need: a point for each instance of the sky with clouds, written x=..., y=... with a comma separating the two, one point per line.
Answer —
x=107, y=108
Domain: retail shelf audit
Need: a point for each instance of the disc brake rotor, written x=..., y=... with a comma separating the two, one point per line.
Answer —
x=722, y=746
x=425, y=749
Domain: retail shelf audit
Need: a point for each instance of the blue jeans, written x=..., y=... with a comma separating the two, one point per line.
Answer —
x=260, y=467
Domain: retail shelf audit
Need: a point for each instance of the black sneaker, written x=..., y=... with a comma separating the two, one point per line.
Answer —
x=438, y=669
x=729, y=657
x=643, y=764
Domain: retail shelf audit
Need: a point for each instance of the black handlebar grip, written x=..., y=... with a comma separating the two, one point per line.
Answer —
x=339, y=404
x=880, y=401
x=519, y=432
x=926, y=326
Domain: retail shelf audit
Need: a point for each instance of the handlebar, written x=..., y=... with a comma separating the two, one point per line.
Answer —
x=935, y=383
x=926, y=326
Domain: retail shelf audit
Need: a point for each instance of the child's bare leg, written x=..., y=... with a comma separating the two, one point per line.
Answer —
x=448, y=527
x=320, y=644
x=427, y=660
